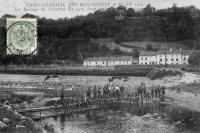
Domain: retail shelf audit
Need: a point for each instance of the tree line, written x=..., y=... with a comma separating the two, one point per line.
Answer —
x=69, y=39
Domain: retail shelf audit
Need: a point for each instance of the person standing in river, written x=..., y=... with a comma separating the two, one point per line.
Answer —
x=121, y=88
x=62, y=96
x=152, y=90
x=163, y=91
x=99, y=92
x=88, y=94
x=95, y=92
x=156, y=91
x=159, y=91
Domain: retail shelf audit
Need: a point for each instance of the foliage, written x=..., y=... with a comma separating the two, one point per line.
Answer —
x=161, y=73
x=69, y=39
x=194, y=59
x=149, y=47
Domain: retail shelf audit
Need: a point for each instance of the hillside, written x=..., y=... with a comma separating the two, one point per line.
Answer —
x=78, y=38
x=155, y=45
x=111, y=44
x=128, y=47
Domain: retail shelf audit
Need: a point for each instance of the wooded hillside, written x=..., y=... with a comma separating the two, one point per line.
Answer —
x=70, y=39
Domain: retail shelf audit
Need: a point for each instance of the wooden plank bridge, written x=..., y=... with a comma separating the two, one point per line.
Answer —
x=50, y=111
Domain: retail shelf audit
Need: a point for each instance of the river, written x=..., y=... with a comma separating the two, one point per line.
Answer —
x=153, y=118
x=133, y=118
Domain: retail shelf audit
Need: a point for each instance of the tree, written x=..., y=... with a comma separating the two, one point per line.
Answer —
x=8, y=16
x=148, y=10
x=130, y=12
x=119, y=38
x=27, y=15
x=194, y=59
x=135, y=53
x=117, y=51
x=149, y=47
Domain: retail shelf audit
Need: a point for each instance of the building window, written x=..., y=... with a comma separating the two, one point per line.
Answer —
x=172, y=59
x=145, y=58
x=160, y=60
x=145, y=63
x=141, y=58
x=184, y=58
x=176, y=59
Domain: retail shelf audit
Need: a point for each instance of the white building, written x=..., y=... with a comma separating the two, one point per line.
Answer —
x=108, y=61
x=170, y=57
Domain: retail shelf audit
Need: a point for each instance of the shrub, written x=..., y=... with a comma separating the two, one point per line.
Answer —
x=161, y=73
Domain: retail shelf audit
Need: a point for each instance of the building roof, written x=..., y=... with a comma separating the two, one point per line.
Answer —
x=96, y=59
x=148, y=53
x=168, y=51
x=120, y=58
x=111, y=58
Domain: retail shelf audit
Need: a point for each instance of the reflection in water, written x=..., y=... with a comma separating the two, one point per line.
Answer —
x=146, y=118
x=129, y=119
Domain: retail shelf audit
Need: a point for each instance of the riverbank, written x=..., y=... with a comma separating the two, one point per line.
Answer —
x=35, y=84
x=133, y=70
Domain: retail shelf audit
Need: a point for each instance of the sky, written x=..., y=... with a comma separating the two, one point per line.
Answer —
x=70, y=8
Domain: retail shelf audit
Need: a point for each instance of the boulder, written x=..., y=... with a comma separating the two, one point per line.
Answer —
x=10, y=113
x=2, y=125
x=147, y=116
x=6, y=120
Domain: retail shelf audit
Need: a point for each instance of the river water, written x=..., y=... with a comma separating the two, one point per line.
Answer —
x=133, y=118
x=147, y=118
x=124, y=118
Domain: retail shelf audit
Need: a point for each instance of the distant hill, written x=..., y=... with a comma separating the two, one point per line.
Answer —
x=155, y=45
x=87, y=36
x=128, y=47
x=111, y=44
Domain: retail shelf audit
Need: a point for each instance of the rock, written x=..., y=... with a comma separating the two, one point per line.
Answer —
x=6, y=120
x=2, y=125
x=48, y=126
x=20, y=126
x=33, y=126
x=10, y=113
x=147, y=116
x=156, y=114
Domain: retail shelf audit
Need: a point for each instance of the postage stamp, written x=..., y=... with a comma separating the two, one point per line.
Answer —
x=21, y=36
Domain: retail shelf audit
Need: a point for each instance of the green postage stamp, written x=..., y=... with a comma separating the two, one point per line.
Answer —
x=21, y=36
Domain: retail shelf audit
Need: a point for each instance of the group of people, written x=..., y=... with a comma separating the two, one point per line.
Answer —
x=155, y=91
x=106, y=92
x=112, y=91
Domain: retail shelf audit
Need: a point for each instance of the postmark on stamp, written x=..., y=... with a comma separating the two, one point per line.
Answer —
x=21, y=36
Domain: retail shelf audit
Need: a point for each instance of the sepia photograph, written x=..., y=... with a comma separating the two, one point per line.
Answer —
x=99, y=66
